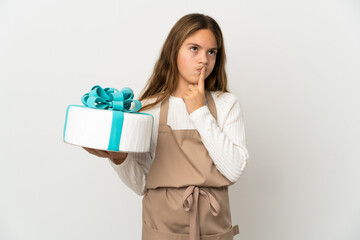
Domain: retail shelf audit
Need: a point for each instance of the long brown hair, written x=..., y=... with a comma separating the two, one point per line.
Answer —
x=164, y=78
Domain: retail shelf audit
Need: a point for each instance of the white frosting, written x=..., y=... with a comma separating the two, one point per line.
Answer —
x=91, y=128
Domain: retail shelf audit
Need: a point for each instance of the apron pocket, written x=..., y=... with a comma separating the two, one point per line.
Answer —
x=152, y=234
x=228, y=235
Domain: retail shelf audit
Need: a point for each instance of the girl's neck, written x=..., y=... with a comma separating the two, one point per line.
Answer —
x=180, y=89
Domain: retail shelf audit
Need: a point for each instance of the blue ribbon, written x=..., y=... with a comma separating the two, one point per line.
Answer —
x=117, y=101
x=111, y=98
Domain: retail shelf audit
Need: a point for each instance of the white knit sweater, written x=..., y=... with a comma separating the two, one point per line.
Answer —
x=224, y=139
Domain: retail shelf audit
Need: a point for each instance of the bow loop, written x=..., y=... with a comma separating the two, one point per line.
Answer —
x=214, y=204
x=190, y=204
x=111, y=98
x=188, y=198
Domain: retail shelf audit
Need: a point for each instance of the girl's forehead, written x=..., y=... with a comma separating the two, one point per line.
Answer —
x=203, y=37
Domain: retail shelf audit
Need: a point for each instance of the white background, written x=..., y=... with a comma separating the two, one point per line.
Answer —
x=294, y=65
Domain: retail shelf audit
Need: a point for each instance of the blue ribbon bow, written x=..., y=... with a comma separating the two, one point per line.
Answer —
x=111, y=98
x=119, y=102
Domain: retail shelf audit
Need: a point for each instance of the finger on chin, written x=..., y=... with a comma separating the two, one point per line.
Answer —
x=202, y=77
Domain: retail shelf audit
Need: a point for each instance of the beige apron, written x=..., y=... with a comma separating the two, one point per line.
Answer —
x=187, y=197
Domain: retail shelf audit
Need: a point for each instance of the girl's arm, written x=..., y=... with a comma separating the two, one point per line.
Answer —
x=133, y=171
x=132, y=168
x=225, y=143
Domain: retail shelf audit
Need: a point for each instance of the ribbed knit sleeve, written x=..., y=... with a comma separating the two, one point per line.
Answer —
x=226, y=144
x=133, y=171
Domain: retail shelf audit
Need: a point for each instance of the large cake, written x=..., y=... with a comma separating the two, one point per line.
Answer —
x=106, y=122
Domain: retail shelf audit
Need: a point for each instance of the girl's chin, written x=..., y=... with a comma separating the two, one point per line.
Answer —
x=192, y=81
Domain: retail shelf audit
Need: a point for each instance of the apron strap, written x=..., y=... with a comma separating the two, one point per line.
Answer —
x=211, y=104
x=164, y=106
x=190, y=203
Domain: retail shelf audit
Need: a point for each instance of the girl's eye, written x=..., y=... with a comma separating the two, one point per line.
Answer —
x=193, y=48
x=212, y=52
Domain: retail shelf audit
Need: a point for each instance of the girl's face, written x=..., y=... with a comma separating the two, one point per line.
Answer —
x=198, y=50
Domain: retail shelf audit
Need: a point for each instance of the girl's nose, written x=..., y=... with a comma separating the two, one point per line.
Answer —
x=203, y=58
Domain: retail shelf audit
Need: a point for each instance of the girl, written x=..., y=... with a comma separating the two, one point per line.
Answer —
x=198, y=145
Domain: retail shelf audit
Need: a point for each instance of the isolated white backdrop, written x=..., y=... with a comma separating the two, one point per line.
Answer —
x=294, y=66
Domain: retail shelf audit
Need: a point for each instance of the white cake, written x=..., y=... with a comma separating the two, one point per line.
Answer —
x=93, y=128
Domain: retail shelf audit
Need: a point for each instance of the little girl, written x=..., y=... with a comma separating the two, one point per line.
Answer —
x=198, y=143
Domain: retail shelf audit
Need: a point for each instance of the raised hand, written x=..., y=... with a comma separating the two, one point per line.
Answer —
x=194, y=97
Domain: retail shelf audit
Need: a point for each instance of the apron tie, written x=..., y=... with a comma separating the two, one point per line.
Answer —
x=190, y=203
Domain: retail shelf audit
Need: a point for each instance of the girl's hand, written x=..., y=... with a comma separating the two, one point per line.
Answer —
x=194, y=97
x=115, y=157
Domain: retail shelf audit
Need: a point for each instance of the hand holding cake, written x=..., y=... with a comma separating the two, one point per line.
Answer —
x=116, y=157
